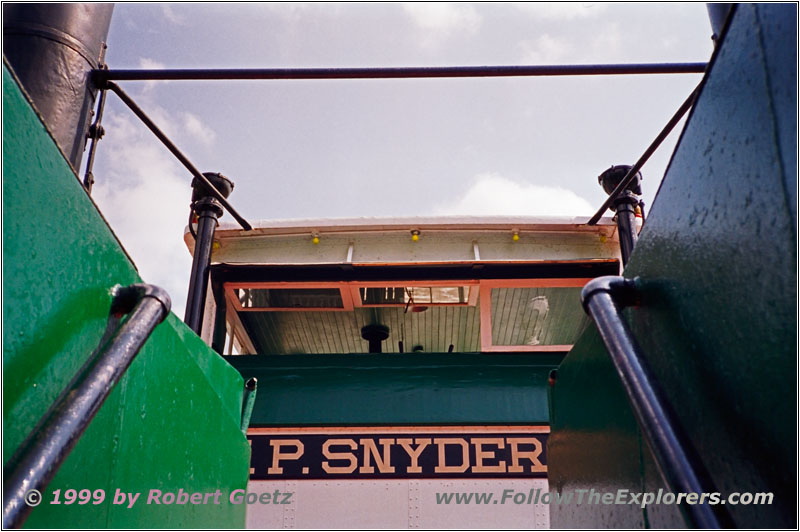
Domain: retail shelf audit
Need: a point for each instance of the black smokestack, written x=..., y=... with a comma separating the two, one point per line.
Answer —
x=53, y=48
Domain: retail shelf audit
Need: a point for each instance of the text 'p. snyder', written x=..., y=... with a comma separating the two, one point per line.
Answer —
x=515, y=452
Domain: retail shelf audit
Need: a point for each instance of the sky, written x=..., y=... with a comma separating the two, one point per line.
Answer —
x=352, y=148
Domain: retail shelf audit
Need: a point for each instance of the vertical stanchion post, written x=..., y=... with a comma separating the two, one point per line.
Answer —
x=626, y=224
x=208, y=211
x=625, y=203
x=248, y=400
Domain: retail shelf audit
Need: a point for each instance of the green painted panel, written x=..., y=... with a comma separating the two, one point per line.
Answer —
x=173, y=420
x=594, y=439
x=717, y=320
x=412, y=388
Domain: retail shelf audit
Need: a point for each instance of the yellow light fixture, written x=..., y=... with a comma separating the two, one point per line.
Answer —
x=515, y=236
x=315, y=238
x=414, y=235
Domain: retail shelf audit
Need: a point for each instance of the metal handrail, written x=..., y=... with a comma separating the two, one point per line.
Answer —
x=48, y=445
x=104, y=79
x=603, y=299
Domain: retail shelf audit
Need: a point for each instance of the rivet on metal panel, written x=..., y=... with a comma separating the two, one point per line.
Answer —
x=290, y=509
x=413, y=504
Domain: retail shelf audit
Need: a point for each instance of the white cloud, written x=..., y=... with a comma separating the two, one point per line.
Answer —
x=438, y=20
x=561, y=10
x=144, y=192
x=492, y=194
x=544, y=49
x=443, y=17
x=145, y=196
x=150, y=64
x=171, y=15
x=197, y=129
x=180, y=126
x=670, y=42
x=608, y=39
x=146, y=62
x=294, y=11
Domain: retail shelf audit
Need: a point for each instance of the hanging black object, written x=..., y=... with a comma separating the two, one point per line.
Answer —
x=375, y=334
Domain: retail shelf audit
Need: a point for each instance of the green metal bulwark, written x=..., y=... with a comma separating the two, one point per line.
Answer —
x=594, y=435
x=717, y=320
x=172, y=422
x=399, y=389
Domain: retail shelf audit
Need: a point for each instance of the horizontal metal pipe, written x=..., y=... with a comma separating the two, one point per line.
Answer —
x=176, y=152
x=603, y=299
x=685, y=106
x=46, y=448
x=397, y=72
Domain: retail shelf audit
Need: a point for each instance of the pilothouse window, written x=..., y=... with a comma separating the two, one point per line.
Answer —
x=290, y=298
x=402, y=295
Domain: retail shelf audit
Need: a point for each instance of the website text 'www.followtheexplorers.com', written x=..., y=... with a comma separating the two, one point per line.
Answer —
x=592, y=496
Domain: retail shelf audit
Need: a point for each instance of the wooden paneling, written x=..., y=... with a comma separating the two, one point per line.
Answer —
x=340, y=332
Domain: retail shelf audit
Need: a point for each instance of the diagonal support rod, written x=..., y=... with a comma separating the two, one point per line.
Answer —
x=685, y=106
x=176, y=152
